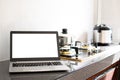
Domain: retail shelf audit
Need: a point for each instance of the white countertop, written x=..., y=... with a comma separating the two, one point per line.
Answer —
x=106, y=51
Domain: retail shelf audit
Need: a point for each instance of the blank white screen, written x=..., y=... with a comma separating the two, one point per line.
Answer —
x=34, y=45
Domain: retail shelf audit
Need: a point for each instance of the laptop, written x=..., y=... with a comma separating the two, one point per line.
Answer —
x=35, y=51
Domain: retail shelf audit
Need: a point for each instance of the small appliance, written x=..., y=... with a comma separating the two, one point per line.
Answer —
x=102, y=35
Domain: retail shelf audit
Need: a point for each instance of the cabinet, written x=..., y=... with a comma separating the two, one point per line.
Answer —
x=112, y=72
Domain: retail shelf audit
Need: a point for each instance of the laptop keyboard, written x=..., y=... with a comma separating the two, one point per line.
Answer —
x=36, y=64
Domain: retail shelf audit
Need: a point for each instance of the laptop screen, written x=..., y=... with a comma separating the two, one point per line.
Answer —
x=34, y=45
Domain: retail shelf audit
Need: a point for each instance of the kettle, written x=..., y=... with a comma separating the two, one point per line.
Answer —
x=102, y=35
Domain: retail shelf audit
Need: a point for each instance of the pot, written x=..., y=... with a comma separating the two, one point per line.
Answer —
x=102, y=35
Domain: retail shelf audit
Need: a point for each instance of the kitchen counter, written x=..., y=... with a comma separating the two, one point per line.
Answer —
x=78, y=70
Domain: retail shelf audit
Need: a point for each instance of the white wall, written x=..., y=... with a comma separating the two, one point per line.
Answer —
x=111, y=17
x=76, y=15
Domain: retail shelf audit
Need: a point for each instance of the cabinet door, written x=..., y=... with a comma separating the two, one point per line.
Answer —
x=110, y=73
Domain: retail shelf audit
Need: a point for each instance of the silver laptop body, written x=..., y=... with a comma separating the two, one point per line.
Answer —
x=35, y=51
